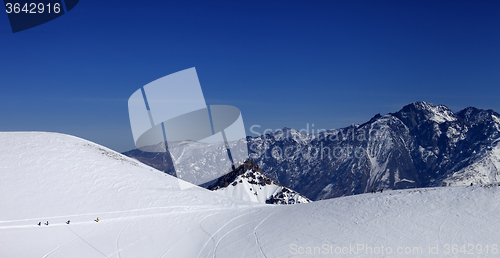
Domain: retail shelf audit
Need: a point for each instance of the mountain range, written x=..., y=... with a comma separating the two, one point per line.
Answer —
x=421, y=145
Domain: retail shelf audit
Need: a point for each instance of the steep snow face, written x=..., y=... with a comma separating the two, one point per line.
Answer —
x=255, y=187
x=483, y=171
x=248, y=183
x=483, y=165
x=378, y=148
x=439, y=113
x=144, y=213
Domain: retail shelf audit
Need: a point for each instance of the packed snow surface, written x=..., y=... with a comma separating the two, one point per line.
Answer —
x=145, y=213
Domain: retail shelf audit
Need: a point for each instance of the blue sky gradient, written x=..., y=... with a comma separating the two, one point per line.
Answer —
x=282, y=63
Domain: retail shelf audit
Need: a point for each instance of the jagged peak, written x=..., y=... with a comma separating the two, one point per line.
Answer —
x=475, y=115
x=372, y=120
x=469, y=109
x=436, y=113
x=228, y=178
x=422, y=105
x=287, y=130
x=249, y=183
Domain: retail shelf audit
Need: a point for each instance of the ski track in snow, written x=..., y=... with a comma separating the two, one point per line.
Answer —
x=212, y=237
x=441, y=229
x=81, y=237
x=257, y=237
x=74, y=239
x=227, y=233
x=120, y=215
x=10, y=248
x=118, y=238
x=169, y=248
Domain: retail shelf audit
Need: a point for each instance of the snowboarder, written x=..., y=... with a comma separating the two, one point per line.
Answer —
x=47, y=223
x=67, y=222
x=381, y=190
x=39, y=223
x=97, y=220
x=471, y=184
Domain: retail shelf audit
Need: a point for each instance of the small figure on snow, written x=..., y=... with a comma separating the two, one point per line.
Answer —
x=47, y=223
x=381, y=190
x=67, y=222
x=97, y=220
x=39, y=223
x=471, y=184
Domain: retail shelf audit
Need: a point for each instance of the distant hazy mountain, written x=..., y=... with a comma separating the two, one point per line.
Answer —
x=196, y=162
x=421, y=145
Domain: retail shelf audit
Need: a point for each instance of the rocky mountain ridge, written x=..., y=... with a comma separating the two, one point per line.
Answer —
x=421, y=145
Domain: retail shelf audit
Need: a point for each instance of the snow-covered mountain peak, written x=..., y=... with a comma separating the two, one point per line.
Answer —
x=428, y=111
x=248, y=183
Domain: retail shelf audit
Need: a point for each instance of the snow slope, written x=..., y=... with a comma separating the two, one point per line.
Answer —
x=144, y=213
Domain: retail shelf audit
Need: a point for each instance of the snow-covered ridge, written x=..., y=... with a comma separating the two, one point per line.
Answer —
x=483, y=171
x=438, y=113
x=248, y=183
x=431, y=112
x=43, y=174
x=474, y=115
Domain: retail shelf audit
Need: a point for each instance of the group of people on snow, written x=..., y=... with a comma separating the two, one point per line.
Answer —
x=67, y=222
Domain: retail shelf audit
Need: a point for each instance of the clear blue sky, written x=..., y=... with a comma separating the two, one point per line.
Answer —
x=283, y=63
